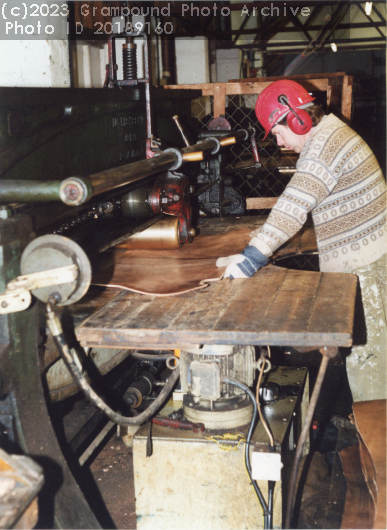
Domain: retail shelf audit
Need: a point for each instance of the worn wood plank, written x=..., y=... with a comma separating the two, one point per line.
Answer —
x=346, y=98
x=276, y=306
x=359, y=508
x=335, y=291
x=260, y=203
x=219, y=99
x=370, y=417
x=296, y=77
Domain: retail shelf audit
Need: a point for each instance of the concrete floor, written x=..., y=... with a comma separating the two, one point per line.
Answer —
x=112, y=470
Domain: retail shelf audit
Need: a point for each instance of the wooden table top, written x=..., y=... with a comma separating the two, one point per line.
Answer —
x=277, y=306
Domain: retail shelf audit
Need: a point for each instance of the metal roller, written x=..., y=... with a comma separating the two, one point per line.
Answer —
x=163, y=235
x=135, y=203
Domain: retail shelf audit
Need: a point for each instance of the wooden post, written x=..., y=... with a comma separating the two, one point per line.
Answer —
x=346, y=98
x=219, y=99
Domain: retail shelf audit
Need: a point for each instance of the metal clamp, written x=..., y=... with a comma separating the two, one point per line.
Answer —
x=179, y=157
x=258, y=364
x=217, y=147
x=172, y=362
x=17, y=296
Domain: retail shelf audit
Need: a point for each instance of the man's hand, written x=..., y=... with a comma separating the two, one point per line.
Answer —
x=243, y=265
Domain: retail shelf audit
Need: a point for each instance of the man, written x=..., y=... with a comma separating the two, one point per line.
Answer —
x=339, y=181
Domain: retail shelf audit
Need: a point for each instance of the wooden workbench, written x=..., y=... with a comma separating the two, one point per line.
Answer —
x=275, y=307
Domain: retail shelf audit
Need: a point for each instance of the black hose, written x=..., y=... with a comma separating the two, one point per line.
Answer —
x=150, y=357
x=71, y=362
x=302, y=440
x=270, y=504
x=235, y=382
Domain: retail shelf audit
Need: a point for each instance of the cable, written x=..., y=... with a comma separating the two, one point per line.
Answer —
x=271, y=484
x=263, y=420
x=302, y=440
x=72, y=363
x=270, y=503
x=149, y=357
x=235, y=382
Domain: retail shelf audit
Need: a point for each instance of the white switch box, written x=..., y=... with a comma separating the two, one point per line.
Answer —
x=266, y=466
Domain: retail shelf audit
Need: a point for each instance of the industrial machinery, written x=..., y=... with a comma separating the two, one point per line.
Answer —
x=83, y=171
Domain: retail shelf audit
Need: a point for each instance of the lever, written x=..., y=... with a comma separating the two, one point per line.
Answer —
x=176, y=120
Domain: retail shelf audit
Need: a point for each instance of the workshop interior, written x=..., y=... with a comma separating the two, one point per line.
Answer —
x=138, y=388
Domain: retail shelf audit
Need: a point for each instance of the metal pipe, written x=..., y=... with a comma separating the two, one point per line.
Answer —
x=176, y=120
x=74, y=191
x=77, y=190
x=29, y=190
x=302, y=439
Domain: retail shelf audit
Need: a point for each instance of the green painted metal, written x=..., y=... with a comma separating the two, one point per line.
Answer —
x=29, y=191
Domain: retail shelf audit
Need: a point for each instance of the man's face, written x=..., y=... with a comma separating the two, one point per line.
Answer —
x=287, y=138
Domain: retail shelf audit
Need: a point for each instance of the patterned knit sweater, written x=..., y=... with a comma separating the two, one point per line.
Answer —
x=339, y=180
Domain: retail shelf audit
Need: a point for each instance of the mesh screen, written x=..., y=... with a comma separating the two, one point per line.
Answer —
x=278, y=165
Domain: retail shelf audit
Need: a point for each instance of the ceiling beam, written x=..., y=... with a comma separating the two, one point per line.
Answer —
x=265, y=31
x=355, y=41
x=359, y=6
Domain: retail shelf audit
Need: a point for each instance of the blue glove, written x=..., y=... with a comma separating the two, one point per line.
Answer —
x=243, y=265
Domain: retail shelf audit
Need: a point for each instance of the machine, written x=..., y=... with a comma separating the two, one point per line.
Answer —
x=81, y=172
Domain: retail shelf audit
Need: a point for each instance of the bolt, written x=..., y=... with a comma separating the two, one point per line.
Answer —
x=4, y=304
x=284, y=419
x=176, y=198
x=291, y=399
x=71, y=192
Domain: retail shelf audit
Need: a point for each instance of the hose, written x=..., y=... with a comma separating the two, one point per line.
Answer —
x=150, y=357
x=270, y=504
x=302, y=440
x=73, y=365
x=235, y=382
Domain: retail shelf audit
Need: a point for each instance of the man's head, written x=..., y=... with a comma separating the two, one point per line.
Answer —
x=288, y=104
x=289, y=139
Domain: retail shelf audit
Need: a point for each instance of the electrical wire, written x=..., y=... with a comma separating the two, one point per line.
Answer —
x=74, y=366
x=271, y=484
x=235, y=382
x=263, y=420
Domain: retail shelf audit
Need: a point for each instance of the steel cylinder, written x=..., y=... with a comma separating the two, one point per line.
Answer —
x=163, y=235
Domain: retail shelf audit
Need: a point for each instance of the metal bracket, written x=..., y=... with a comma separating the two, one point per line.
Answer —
x=17, y=296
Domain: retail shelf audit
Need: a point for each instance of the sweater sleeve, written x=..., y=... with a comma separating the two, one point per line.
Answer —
x=311, y=184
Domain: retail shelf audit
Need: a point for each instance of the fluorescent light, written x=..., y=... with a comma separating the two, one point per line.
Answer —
x=368, y=8
x=334, y=47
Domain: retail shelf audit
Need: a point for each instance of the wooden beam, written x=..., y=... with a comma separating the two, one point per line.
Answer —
x=346, y=98
x=261, y=203
x=219, y=91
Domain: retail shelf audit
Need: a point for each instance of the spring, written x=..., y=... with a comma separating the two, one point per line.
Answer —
x=129, y=61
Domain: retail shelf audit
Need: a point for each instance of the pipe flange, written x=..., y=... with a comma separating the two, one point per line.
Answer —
x=179, y=155
x=217, y=147
x=172, y=362
x=73, y=191
x=267, y=367
x=246, y=134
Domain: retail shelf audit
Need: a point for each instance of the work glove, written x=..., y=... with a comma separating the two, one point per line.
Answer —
x=243, y=265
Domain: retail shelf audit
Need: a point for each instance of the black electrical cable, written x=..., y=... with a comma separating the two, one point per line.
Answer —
x=71, y=361
x=235, y=382
x=150, y=357
x=270, y=504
